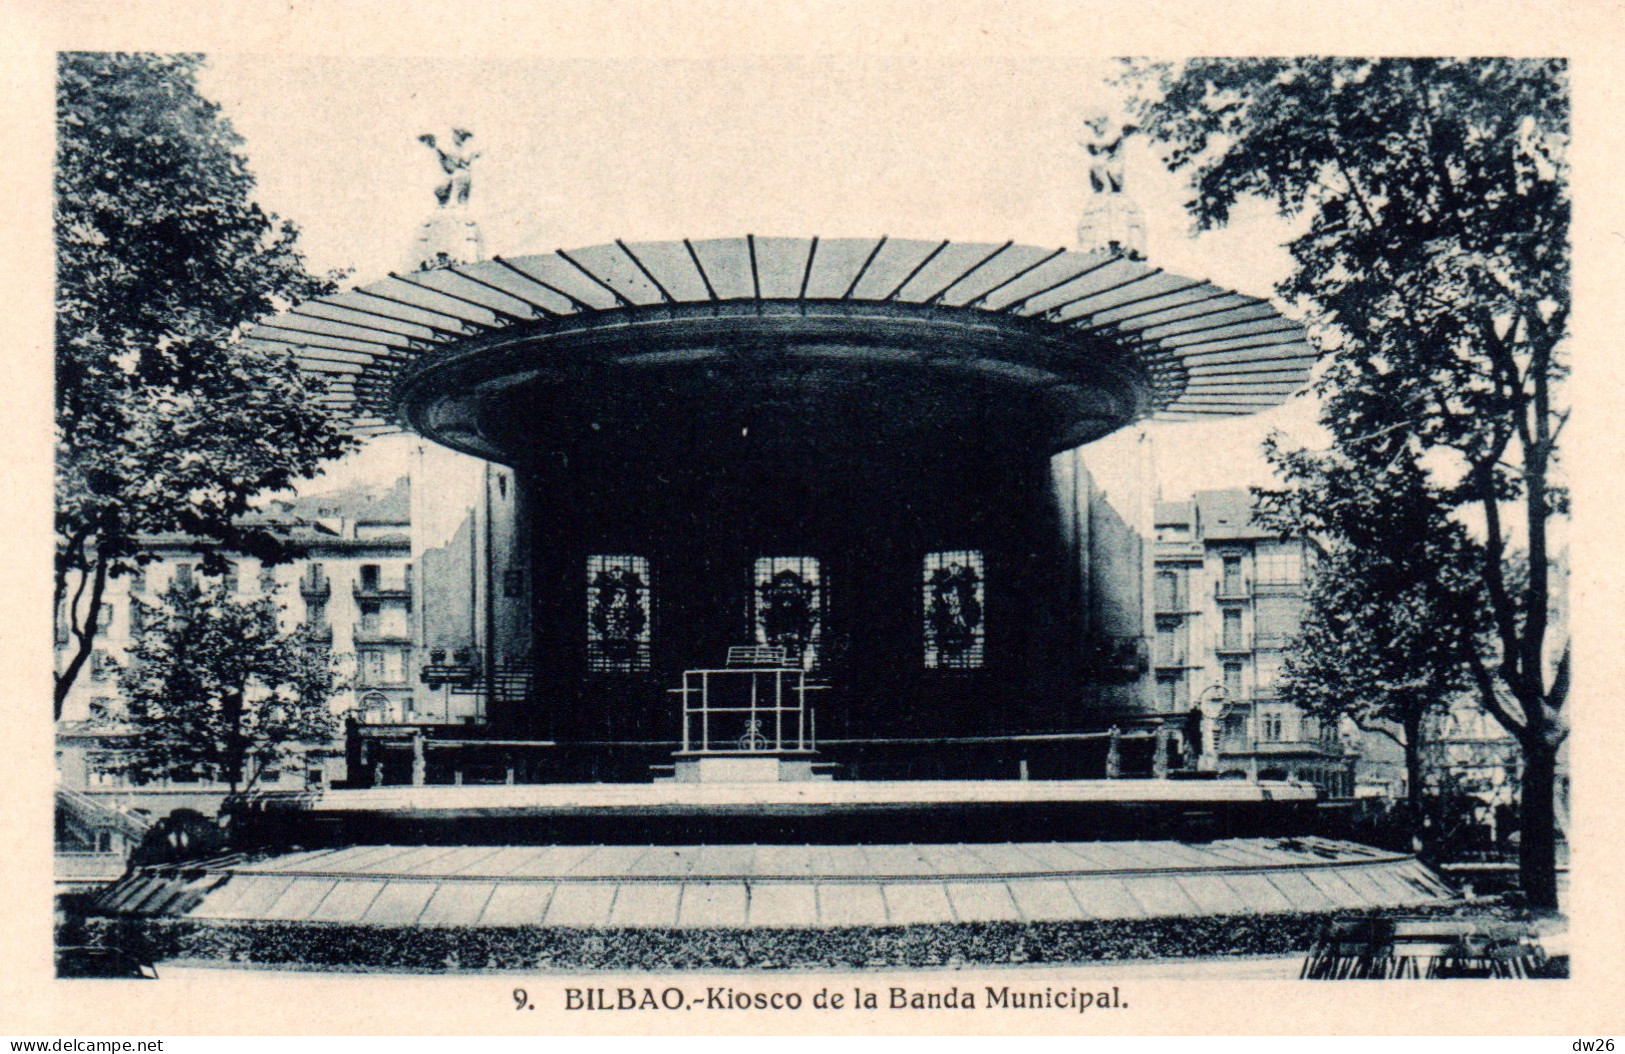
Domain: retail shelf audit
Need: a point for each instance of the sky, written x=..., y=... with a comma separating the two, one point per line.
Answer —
x=581, y=152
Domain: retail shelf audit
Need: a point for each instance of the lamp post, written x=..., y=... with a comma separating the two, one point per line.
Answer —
x=1213, y=703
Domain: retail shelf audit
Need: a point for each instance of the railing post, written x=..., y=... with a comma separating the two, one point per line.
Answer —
x=752, y=726
x=685, y=711
x=1159, y=762
x=705, y=712
x=1114, y=756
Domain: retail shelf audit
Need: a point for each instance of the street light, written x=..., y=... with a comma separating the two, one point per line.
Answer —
x=1213, y=704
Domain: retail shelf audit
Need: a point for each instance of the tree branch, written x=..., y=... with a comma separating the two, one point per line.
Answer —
x=85, y=634
x=1492, y=702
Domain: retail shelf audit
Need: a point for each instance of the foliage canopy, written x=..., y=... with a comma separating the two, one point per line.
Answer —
x=1434, y=265
x=163, y=423
x=217, y=690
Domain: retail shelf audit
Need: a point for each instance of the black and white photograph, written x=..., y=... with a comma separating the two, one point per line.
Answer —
x=974, y=537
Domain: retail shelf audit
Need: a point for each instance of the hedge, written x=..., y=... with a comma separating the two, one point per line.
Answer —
x=329, y=946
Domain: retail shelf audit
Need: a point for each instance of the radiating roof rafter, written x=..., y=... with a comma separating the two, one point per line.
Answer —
x=1206, y=351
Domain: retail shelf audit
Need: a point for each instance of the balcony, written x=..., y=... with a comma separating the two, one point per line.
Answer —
x=1232, y=590
x=1237, y=645
x=369, y=680
x=365, y=633
x=1176, y=604
x=1281, y=588
x=313, y=587
x=382, y=591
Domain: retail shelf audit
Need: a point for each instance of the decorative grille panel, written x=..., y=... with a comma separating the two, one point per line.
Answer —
x=617, y=614
x=788, y=606
x=955, y=633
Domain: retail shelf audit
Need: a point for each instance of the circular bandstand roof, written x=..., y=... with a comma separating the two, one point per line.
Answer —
x=1099, y=340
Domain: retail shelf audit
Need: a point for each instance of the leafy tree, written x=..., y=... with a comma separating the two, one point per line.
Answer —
x=1394, y=602
x=163, y=424
x=1434, y=262
x=216, y=690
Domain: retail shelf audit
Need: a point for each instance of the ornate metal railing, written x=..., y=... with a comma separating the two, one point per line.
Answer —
x=751, y=710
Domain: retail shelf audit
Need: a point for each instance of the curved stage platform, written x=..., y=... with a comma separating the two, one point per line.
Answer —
x=779, y=886
x=833, y=812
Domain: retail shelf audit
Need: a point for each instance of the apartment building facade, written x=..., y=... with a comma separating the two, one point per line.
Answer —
x=1227, y=596
x=353, y=585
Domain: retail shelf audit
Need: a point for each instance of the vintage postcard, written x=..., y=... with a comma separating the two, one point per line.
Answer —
x=810, y=518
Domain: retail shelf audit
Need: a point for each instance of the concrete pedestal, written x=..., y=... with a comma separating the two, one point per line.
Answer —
x=745, y=770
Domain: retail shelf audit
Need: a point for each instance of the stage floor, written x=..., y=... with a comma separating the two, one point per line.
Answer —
x=557, y=797
x=727, y=887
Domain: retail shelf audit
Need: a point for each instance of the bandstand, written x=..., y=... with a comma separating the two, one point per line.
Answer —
x=824, y=627
x=842, y=449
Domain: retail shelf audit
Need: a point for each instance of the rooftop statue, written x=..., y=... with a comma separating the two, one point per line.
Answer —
x=1111, y=221
x=455, y=162
x=1103, y=137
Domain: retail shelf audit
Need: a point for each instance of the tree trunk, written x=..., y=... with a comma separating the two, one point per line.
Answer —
x=234, y=745
x=1537, y=827
x=82, y=629
x=1421, y=837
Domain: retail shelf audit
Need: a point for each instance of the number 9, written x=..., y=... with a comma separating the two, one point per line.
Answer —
x=521, y=999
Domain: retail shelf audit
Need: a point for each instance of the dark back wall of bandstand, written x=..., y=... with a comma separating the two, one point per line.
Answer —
x=702, y=508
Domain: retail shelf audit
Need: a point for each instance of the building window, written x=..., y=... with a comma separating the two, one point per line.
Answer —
x=1232, y=640
x=394, y=666
x=1233, y=736
x=1277, y=618
x=374, y=708
x=1268, y=670
x=789, y=606
x=229, y=579
x=183, y=577
x=1230, y=586
x=955, y=633
x=372, y=667
x=369, y=578
x=1170, y=592
x=1272, y=726
x=1232, y=680
x=369, y=616
x=1171, y=693
x=617, y=614
x=1279, y=563
x=316, y=615
x=513, y=583
x=314, y=579
x=1172, y=644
